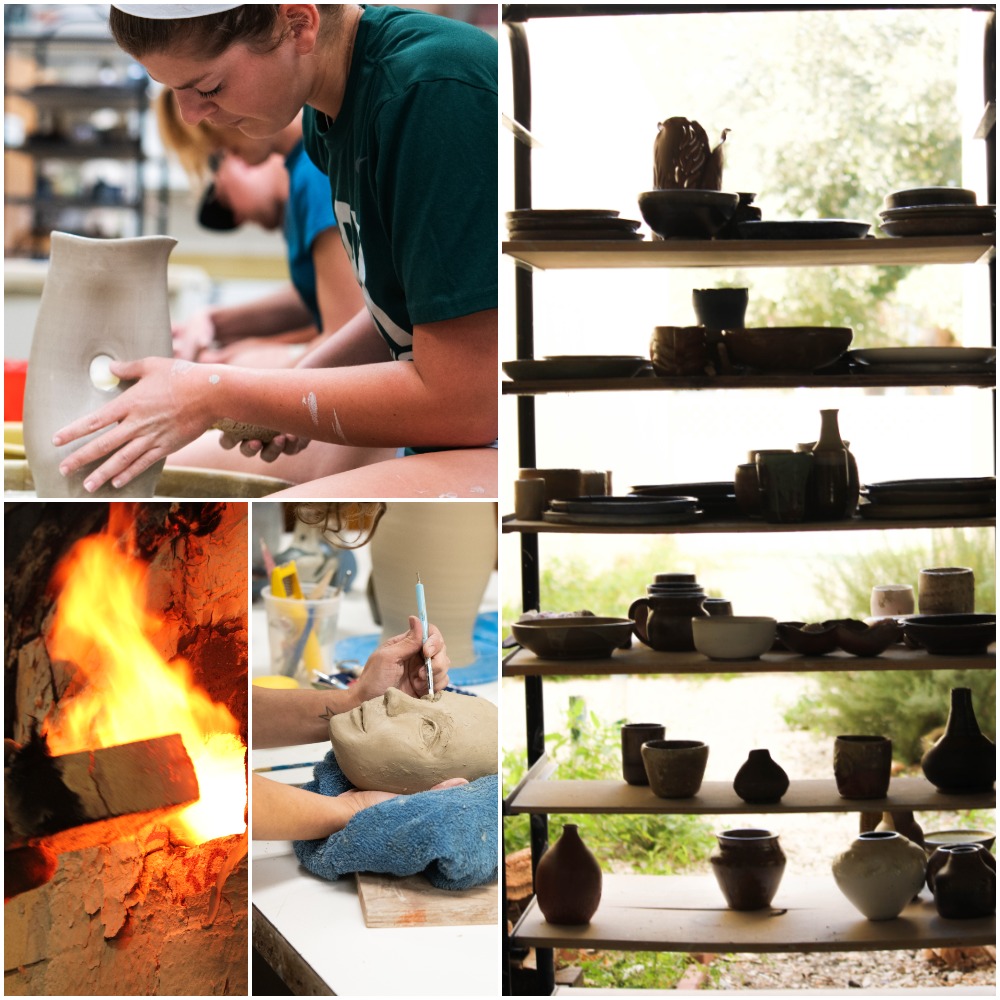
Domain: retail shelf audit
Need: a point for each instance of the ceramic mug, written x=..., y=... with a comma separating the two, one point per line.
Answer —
x=560, y=484
x=946, y=590
x=679, y=350
x=783, y=481
x=634, y=734
x=529, y=499
x=721, y=308
x=675, y=768
x=891, y=599
x=862, y=766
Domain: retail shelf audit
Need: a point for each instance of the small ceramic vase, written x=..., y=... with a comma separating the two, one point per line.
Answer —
x=965, y=886
x=862, y=766
x=963, y=760
x=760, y=780
x=634, y=734
x=568, y=880
x=675, y=768
x=103, y=301
x=829, y=482
x=748, y=866
x=941, y=855
x=663, y=622
x=880, y=873
x=946, y=590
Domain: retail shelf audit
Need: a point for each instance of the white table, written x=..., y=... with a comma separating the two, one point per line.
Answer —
x=312, y=931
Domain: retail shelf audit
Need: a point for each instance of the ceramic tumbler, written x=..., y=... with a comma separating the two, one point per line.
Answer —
x=891, y=599
x=634, y=734
x=862, y=765
x=783, y=481
x=721, y=308
x=560, y=484
x=679, y=350
x=675, y=768
x=529, y=499
x=946, y=590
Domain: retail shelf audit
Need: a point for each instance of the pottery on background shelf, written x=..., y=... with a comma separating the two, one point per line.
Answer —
x=829, y=479
x=720, y=308
x=733, y=637
x=662, y=621
x=862, y=766
x=103, y=301
x=529, y=499
x=784, y=482
x=679, y=350
x=634, y=734
x=746, y=488
x=560, y=484
x=965, y=886
x=760, y=779
x=683, y=157
x=861, y=639
x=675, y=768
x=808, y=639
x=902, y=821
x=718, y=606
x=880, y=873
x=568, y=880
x=573, y=637
x=946, y=590
x=963, y=759
x=939, y=857
x=748, y=865
x=891, y=599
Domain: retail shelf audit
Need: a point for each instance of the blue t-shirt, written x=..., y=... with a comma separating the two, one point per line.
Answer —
x=412, y=166
x=307, y=214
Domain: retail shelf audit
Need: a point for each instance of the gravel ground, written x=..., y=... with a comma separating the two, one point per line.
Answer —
x=734, y=716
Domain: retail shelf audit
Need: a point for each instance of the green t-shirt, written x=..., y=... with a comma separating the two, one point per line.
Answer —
x=412, y=162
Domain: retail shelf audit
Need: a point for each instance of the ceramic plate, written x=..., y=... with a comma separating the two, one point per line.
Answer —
x=583, y=366
x=700, y=490
x=628, y=506
x=924, y=368
x=986, y=484
x=558, y=214
x=804, y=229
x=945, y=220
x=919, y=511
x=571, y=234
x=612, y=225
x=922, y=197
x=908, y=355
x=556, y=517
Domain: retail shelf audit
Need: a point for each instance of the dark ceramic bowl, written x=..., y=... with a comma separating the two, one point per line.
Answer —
x=947, y=838
x=584, y=637
x=808, y=640
x=787, y=348
x=912, y=197
x=686, y=213
x=862, y=639
x=951, y=635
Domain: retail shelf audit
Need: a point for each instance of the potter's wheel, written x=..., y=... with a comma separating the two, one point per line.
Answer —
x=173, y=482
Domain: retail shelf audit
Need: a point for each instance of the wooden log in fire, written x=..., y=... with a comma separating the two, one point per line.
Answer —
x=44, y=795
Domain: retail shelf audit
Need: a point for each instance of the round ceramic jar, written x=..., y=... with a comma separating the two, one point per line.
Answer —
x=748, y=866
x=880, y=873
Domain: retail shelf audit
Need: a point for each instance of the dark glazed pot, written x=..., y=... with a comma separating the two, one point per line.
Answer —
x=760, y=779
x=748, y=867
x=862, y=766
x=568, y=880
x=963, y=760
x=664, y=622
x=721, y=308
x=634, y=734
x=965, y=887
x=941, y=855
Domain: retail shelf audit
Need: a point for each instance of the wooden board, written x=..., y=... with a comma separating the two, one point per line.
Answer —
x=391, y=901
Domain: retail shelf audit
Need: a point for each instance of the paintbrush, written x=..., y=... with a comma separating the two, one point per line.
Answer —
x=422, y=615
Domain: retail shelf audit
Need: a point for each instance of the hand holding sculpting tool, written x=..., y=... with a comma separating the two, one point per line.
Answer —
x=422, y=615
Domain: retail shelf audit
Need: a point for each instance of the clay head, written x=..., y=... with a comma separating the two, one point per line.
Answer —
x=398, y=743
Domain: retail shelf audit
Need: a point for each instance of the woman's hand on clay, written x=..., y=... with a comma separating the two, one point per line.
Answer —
x=399, y=662
x=283, y=444
x=166, y=408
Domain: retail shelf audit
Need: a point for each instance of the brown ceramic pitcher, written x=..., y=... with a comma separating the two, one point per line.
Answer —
x=664, y=622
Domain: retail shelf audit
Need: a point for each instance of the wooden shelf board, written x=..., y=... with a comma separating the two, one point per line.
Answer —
x=915, y=250
x=741, y=526
x=687, y=913
x=648, y=383
x=642, y=660
x=717, y=798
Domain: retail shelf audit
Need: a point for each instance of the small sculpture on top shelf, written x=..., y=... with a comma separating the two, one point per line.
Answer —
x=683, y=157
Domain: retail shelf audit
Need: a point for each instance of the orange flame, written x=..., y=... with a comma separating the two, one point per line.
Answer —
x=125, y=691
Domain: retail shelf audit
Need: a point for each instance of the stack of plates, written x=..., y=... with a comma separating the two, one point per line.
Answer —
x=622, y=511
x=929, y=498
x=715, y=499
x=577, y=366
x=923, y=360
x=570, y=224
x=803, y=229
x=936, y=211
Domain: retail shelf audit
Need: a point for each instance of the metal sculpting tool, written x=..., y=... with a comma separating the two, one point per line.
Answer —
x=422, y=615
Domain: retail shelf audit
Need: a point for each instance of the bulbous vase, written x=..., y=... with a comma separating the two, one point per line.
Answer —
x=103, y=301
x=880, y=873
x=568, y=880
x=748, y=866
x=760, y=779
x=963, y=760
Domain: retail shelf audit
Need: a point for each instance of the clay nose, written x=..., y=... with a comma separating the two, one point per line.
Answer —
x=396, y=703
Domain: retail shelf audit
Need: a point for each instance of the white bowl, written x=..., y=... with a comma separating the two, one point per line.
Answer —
x=733, y=637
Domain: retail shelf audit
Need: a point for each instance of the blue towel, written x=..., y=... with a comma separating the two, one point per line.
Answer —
x=449, y=835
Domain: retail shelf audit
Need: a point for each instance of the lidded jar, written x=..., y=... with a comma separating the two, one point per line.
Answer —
x=965, y=886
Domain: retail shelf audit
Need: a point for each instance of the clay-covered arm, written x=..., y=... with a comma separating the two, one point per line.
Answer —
x=446, y=396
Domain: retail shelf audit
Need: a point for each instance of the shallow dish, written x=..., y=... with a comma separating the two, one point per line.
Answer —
x=687, y=213
x=910, y=511
x=924, y=196
x=583, y=637
x=945, y=220
x=625, y=505
x=557, y=233
x=906, y=355
x=808, y=640
x=804, y=229
x=861, y=639
x=946, y=486
x=943, y=838
x=570, y=366
x=561, y=214
x=733, y=637
x=787, y=348
x=951, y=635
x=622, y=519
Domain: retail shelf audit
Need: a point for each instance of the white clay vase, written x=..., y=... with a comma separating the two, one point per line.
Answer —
x=453, y=546
x=880, y=873
x=103, y=301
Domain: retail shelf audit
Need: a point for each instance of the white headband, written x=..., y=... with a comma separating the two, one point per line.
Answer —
x=173, y=11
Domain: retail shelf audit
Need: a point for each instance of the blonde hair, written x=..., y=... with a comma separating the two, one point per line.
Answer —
x=193, y=145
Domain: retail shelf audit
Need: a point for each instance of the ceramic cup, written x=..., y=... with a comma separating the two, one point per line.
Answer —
x=675, y=768
x=679, y=350
x=783, y=480
x=634, y=734
x=560, y=484
x=529, y=499
x=861, y=766
x=891, y=599
x=946, y=590
x=721, y=308
x=594, y=483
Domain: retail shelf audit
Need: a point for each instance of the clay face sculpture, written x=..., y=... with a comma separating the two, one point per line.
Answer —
x=397, y=743
x=103, y=301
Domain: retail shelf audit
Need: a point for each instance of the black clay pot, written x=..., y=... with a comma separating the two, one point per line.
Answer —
x=568, y=880
x=941, y=855
x=748, y=867
x=965, y=887
x=963, y=760
x=760, y=780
